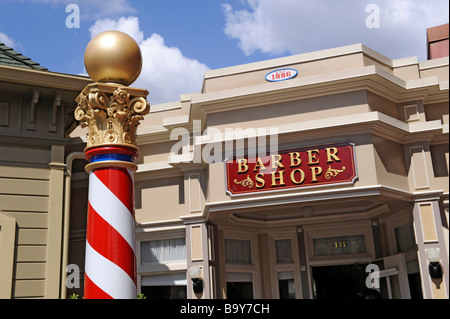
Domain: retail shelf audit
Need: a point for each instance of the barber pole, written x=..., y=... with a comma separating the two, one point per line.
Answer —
x=111, y=111
x=110, y=270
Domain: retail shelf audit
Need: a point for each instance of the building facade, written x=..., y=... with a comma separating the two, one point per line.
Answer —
x=36, y=114
x=294, y=234
x=292, y=178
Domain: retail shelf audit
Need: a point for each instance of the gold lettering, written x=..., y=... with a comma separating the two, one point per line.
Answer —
x=316, y=170
x=242, y=165
x=295, y=159
x=276, y=162
x=260, y=179
x=332, y=155
x=258, y=164
x=280, y=178
x=312, y=158
x=302, y=176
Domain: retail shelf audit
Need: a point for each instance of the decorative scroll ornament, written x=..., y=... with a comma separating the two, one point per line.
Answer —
x=331, y=172
x=246, y=182
x=111, y=112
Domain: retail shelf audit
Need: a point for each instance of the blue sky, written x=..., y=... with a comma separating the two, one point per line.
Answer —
x=181, y=39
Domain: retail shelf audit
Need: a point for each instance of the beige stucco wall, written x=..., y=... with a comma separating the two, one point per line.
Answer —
x=436, y=67
x=390, y=163
x=160, y=199
x=297, y=111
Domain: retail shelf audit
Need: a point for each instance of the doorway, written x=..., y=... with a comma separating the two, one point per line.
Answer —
x=339, y=282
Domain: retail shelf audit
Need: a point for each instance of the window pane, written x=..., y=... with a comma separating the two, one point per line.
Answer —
x=404, y=236
x=283, y=250
x=239, y=285
x=239, y=276
x=163, y=251
x=286, y=285
x=168, y=279
x=164, y=292
x=237, y=251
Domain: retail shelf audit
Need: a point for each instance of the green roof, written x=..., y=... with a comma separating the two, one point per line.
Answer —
x=12, y=58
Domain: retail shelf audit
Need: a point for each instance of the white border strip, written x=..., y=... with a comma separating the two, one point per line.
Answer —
x=109, y=277
x=111, y=209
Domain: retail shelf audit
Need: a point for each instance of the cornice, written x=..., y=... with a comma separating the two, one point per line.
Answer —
x=39, y=78
x=375, y=123
x=303, y=58
x=157, y=170
x=32, y=140
x=370, y=78
x=318, y=196
x=361, y=213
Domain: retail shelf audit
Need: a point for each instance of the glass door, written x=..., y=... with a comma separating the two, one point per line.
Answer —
x=339, y=282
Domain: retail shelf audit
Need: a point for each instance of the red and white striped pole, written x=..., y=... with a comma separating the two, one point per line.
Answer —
x=110, y=266
x=111, y=110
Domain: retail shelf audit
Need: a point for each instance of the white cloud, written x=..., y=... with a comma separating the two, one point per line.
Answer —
x=166, y=72
x=296, y=26
x=12, y=43
x=128, y=25
x=7, y=40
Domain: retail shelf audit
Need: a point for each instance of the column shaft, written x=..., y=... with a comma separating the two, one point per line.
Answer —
x=110, y=270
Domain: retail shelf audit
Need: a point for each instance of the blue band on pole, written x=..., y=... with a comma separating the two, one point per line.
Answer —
x=111, y=157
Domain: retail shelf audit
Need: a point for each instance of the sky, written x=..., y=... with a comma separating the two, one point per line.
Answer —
x=181, y=39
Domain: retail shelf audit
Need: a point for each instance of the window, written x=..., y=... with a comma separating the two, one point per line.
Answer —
x=283, y=251
x=167, y=286
x=339, y=245
x=286, y=286
x=163, y=251
x=162, y=268
x=404, y=236
x=238, y=251
x=239, y=285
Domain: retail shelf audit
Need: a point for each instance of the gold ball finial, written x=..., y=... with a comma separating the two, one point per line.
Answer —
x=113, y=56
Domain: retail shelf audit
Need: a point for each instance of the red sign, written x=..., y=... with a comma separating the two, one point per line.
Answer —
x=306, y=167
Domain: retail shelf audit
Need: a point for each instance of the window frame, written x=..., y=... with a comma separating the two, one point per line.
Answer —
x=162, y=233
x=166, y=262
x=253, y=268
x=276, y=267
x=336, y=230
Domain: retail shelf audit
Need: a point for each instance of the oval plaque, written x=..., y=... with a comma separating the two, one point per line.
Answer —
x=281, y=75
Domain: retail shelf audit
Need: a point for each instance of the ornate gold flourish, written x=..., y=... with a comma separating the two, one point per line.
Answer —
x=111, y=112
x=331, y=172
x=245, y=182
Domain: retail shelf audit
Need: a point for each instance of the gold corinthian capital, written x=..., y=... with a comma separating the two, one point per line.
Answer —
x=111, y=112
